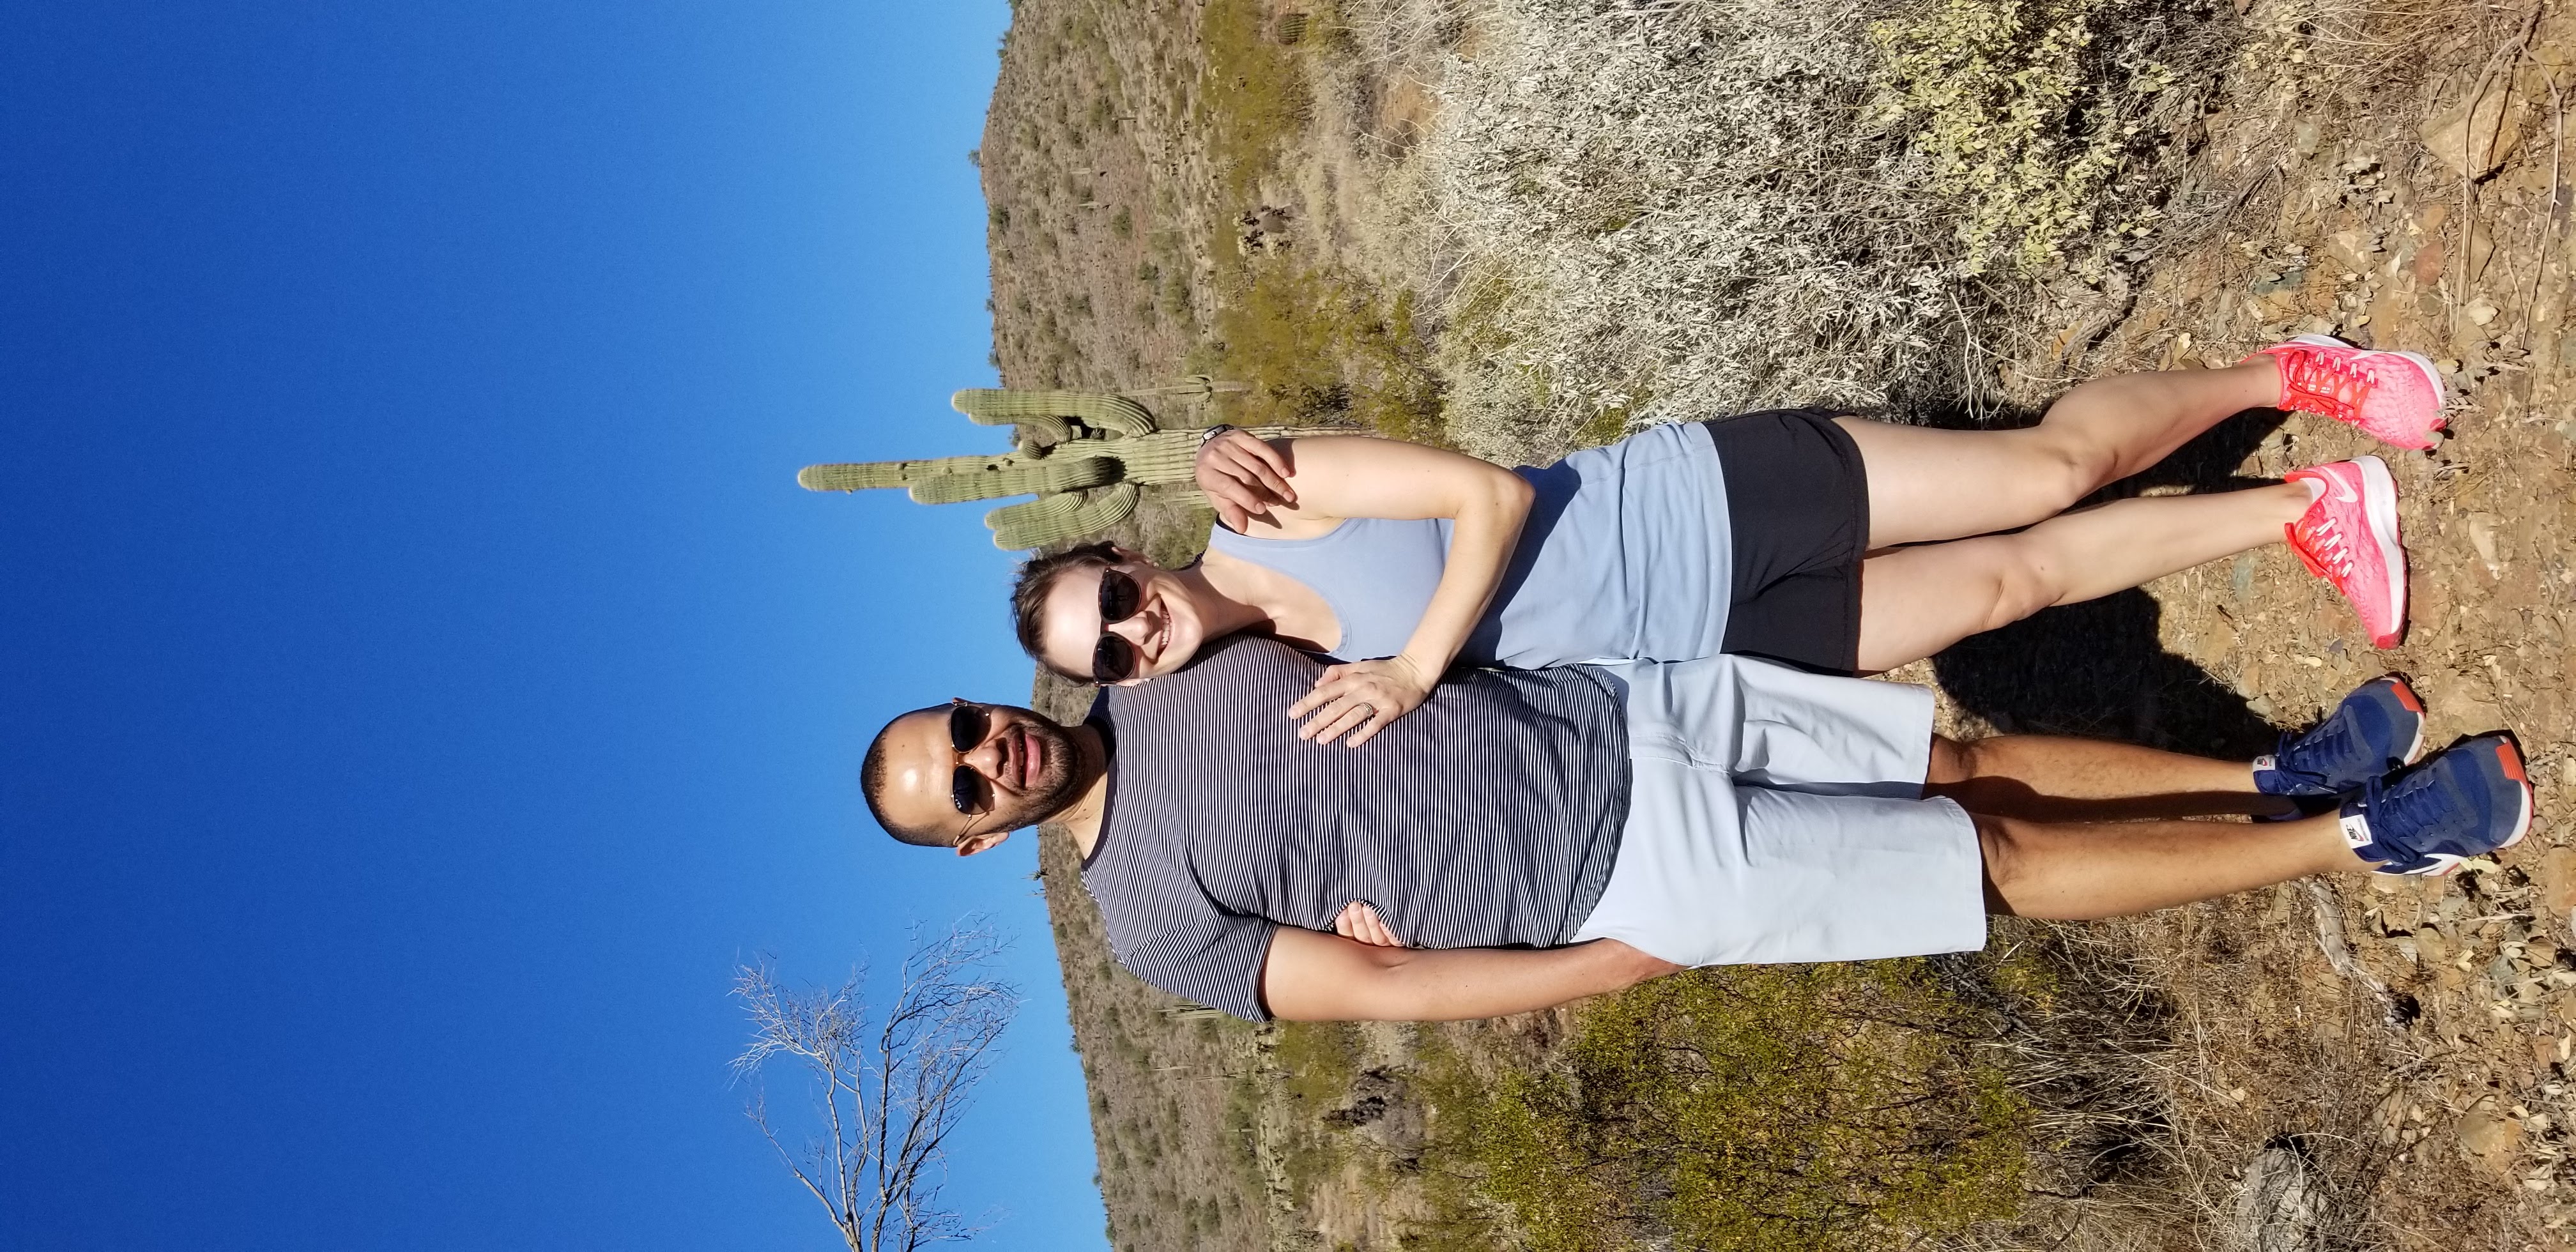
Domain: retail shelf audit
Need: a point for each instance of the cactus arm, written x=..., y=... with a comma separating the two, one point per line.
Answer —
x=1166, y=456
x=1053, y=519
x=1171, y=456
x=1041, y=430
x=996, y=407
x=864, y=475
x=1035, y=478
x=1035, y=524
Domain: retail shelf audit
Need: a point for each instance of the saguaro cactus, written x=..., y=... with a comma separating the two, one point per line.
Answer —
x=1085, y=456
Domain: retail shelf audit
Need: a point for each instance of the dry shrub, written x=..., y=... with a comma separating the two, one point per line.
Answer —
x=2014, y=124
x=1708, y=207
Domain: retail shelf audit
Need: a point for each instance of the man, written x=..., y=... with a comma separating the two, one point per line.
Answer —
x=1537, y=836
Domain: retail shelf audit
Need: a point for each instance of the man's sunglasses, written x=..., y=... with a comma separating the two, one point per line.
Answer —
x=1113, y=660
x=967, y=726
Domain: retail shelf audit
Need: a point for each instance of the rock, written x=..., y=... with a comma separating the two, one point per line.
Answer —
x=2490, y=1138
x=2276, y=1206
x=2435, y=949
x=2502, y=974
x=2356, y=250
x=2280, y=282
x=2484, y=532
x=2557, y=875
x=2474, y=136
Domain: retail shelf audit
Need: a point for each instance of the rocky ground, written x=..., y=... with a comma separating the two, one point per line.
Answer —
x=2383, y=1060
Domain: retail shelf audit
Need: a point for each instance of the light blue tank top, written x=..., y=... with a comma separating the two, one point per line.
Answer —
x=1626, y=556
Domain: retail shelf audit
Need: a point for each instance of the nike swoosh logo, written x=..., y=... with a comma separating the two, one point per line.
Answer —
x=2343, y=491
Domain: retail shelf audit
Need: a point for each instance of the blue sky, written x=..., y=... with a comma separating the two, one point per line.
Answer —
x=424, y=680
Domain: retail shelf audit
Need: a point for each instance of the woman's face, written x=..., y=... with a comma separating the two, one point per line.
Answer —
x=1164, y=632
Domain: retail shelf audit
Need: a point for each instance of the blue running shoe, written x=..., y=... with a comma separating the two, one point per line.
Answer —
x=2377, y=730
x=2469, y=801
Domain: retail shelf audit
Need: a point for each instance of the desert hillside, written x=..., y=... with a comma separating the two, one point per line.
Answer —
x=1521, y=226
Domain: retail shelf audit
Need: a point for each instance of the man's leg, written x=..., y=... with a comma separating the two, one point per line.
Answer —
x=2050, y=778
x=1916, y=601
x=2468, y=801
x=1927, y=484
x=2078, y=871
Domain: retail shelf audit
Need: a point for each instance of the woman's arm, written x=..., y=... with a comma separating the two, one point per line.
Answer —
x=1346, y=476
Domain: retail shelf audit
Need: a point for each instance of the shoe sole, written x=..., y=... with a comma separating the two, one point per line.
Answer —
x=2423, y=365
x=2379, y=507
x=2508, y=755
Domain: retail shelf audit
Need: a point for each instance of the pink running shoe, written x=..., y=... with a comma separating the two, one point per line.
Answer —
x=2394, y=397
x=2348, y=537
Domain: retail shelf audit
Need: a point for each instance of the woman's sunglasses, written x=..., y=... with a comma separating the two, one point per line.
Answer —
x=1113, y=660
x=967, y=726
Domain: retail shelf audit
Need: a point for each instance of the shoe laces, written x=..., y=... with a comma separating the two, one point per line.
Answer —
x=2331, y=739
x=2330, y=382
x=2390, y=807
x=2322, y=546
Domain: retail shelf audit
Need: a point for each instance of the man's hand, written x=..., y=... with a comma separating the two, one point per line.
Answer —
x=1359, y=920
x=1360, y=699
x=1243, y=477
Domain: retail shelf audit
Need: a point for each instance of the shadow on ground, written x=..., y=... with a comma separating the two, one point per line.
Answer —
x=2099, y=669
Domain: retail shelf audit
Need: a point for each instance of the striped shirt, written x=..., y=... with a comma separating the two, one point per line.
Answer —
x=1489, y=817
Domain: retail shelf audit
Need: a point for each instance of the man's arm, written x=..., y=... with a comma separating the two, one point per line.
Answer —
x=1312, y=976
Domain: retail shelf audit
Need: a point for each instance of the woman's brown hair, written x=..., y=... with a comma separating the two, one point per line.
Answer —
x=1029, y=593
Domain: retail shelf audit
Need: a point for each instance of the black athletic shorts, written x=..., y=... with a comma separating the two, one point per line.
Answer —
x=1797, y=500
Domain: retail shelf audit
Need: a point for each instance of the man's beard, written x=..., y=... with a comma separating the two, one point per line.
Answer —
x=1053, y=789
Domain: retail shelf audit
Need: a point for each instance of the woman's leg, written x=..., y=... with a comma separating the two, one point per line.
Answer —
x=1927, y=484
x=1916, y=601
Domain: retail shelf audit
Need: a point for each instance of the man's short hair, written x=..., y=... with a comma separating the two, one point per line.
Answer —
x=872, y=784
x=1029, y=596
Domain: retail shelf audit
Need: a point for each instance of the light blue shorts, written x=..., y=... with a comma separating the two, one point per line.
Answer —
x=1777, y=815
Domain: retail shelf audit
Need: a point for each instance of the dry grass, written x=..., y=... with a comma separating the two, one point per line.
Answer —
x=1691, y=208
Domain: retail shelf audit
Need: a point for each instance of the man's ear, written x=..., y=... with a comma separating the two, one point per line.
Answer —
x=985, y=842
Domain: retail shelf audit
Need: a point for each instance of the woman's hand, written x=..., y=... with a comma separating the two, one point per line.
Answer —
x=1243, y=477
x=1360, y=699
x=1359, y=920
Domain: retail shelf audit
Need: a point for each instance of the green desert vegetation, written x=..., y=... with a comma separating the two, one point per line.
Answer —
x=1316, y=343
x=1781, y=1109
x=1796, y=1109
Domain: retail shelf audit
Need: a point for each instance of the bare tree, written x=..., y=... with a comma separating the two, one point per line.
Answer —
x=887, y=1089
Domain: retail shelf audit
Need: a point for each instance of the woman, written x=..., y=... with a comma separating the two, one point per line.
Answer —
x=1825, y=541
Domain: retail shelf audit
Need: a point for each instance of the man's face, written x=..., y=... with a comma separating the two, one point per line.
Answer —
x=1019, y=767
